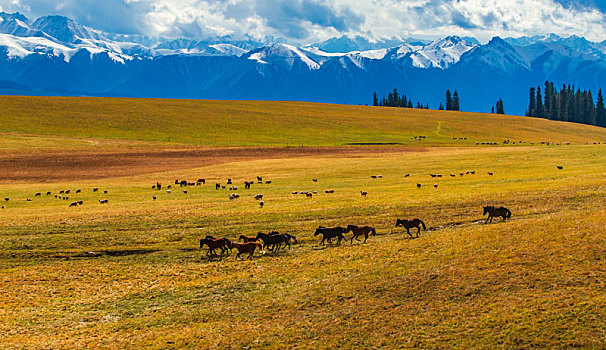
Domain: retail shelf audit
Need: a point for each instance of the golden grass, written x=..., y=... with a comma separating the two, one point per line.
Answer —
x=534, y=282
x=248, y=123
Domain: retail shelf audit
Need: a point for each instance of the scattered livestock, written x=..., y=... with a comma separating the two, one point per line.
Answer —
x=309, y=194
x=28, y=200
x=315, y=180
x=213, y=244
x=560, y=167
x=217, y=186
x=259, y=196
x=360, y=231
x=329, y=191
x=154, y=197
x=169, y=191
x=247, y=239
x=435, y=185
x=261, y=204
x=247, y=185
x=363, y=193
x=408, y=224
x=103, y=201
x=259, y=179
x=406, y=175
x=490, y=173
x=78, y=191
x=6, y=199
x=268, y=182
x=48, y=193
x=38, y=194
x=418, y=185
x=495, y=212
x=234, y=196
x=95, y=189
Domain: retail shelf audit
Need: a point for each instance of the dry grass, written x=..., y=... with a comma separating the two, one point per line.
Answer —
x=534, y=282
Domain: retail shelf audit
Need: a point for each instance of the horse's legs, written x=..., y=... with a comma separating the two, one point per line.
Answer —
x=408, y=231
x=322, y=241
x=418, y=231
x=365, y=237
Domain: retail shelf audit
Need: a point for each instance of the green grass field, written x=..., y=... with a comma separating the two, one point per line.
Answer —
x=129, y=275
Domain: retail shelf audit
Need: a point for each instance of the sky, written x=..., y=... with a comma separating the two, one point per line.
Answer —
x=309, y=21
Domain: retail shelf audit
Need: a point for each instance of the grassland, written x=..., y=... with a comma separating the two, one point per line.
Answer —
x=129, y=274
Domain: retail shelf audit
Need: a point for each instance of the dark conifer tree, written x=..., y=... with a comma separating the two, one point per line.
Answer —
x=532, y=104
x=409, y=103
x=449, y=104
x=492, y=110
x=375, y=100
x=455, y=101
x=441, y=108
x=539, y=110
x=600, y=114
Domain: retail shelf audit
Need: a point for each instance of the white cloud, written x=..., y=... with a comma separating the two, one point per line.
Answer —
x=311, y=20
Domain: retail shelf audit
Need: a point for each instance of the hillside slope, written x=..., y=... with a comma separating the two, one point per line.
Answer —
x=222, y=123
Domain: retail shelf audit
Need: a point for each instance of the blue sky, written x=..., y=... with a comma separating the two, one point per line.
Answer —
x=306, y=21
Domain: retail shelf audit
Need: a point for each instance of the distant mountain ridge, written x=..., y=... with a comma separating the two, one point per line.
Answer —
x=55, y=55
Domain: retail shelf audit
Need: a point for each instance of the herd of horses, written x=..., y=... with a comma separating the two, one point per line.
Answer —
x=274, y=241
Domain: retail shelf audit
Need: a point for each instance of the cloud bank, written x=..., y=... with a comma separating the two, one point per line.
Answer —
x=306, y=21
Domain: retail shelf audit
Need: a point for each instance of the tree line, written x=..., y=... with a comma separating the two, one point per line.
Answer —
x=394, y=99
x=567, y=104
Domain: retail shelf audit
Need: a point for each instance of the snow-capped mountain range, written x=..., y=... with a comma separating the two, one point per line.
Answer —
x=54, y=55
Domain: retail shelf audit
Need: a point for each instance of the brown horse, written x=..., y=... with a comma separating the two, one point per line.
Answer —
x=330, y=233
x=247, y=239
x=360, y=231
x=492, y=212
x=408, y=224
x=213, y=244
x=248, y=247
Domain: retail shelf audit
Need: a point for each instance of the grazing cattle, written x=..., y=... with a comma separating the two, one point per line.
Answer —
x=65, y=198
x=169, y=186
x=103, y=201
x=183, y=183
x=329, y=191
x=158, y=186
x=223, y=187
x=434, y=175
x=73, y=204
x=247, y=248
x=473, y=172
x=435, y=185
x=154, y=197
x=78, y=191
x=259, y=179
x=234, y=196
x=191, y=184
x=315, y=180
x=259, y=196
x=418, y=185
x=314, y=192
x=229, y=181
x=461, y=174
x=185, y=191
x=80, y=202
x=363, y=193
x=38, y=194
x=380, y=176
x=67, y=191
x=490, y=174
x=261, y=204
x=56, y=196
x=6, y=199
x=95, y=189
x=295, y=192
x=169, y=191
x=176, y=182
x=202, y=181
x=467, y=172
x=492, y=212
x=408, y=224
x=61, y=192
x=373, y=176
x=153, y=187
x=452, y=175
x=309, y=195
x=28, y=200
x=406, y=175
x=103, y=192
x=360, y=231
x=560, y=167
x=48, y=193
x=268, y=182
x=247, y=185
x=217, y=186
x=329, y=233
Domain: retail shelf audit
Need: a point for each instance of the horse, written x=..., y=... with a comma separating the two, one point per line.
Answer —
x=214, y=244
x=247, y=248
x=329, y=233
x=492, y=212
x=359, y=231
x=408, y=224
x=273, y=242
x=247, y=239
x=285, y=238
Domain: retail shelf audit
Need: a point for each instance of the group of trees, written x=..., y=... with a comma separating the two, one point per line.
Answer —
x=499, y=107
x=566, y=105
x=394, y=99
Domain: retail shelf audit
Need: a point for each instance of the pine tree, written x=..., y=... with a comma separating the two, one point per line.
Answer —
x=409, y=103
x=532, y=105
x=375, y=100
x=441, y=108
x=492, y=109
x=547, y=102
x=600, y=111
x=455, y=101
x=500, y=108
x=448, y=101
x=539, y=111
x=589, y=113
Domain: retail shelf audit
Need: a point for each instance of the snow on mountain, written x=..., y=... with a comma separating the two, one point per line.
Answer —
x=286, y=56
x=67, y=30
x=496, y=56
x=441, y=53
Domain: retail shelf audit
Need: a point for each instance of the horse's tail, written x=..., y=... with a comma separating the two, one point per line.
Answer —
x=201, y=244
x=373, y=231
x=422, y=223
x=508, y=213
x=260, y=245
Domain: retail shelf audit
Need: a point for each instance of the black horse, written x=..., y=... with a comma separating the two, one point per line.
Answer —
x=330, y=233
x=272, y=241
x=408, y=224
x=500, y=211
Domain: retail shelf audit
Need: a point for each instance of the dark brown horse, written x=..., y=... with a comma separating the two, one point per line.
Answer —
x=360, y=231
x=213, y=244
x=248, y=247
x=492, y=212
x=329, y=233
x=247, y=239
x=408, y=224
